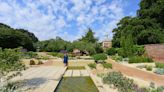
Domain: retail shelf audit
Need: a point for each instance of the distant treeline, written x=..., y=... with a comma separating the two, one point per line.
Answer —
x=146, y=28
x=88, y=43
x=13, y=38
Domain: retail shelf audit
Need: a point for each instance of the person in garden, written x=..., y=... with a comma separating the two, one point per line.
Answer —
x=65, y=61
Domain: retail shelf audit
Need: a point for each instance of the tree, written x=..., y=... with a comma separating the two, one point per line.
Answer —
x=13, y=38
x=89, y=37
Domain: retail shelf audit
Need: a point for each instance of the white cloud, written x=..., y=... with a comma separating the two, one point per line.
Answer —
x=50, y=18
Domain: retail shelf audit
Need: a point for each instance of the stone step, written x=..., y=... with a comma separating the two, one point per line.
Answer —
x=84, y=73
x=76, y=73
x=68, y=73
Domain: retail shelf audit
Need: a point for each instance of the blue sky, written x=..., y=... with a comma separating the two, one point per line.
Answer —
x=68, y=19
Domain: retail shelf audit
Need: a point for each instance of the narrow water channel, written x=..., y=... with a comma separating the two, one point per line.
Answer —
x=76, y=84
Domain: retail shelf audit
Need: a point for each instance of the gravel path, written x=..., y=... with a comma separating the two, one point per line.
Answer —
x=133, y=72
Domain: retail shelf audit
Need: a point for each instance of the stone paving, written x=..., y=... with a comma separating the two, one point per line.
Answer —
x=41, y=78
x=76, y=73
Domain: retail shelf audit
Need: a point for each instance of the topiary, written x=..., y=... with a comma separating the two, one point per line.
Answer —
x=32, y=62
x=40, y=62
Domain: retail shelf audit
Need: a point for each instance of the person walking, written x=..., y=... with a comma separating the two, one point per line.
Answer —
x=65, y=61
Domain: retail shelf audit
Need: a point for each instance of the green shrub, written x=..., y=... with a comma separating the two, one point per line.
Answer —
x=117, y=58
x=140, y=59
x=149, y=68
x=92, y=65
x=55, y=54
x=107, y=65
x=111, y=51
x=118, y=80
x=45, y=57
x=100, y=57
x=138, y=50
x=30, y=54
x=10, y=67
x=10, y=61
x=159, y=71
x=159, y=65
x=32, y=62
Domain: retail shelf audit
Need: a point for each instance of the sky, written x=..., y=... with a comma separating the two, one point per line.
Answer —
x=68, y=19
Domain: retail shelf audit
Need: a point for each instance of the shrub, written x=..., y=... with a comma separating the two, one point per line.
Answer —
x=100, y=57
x=40, y=62
x=53, y=53
x=60, y=55
x=10, y=61
x=117, y=58
x=159, y=65
x=45, y=57
x=92, y=65
x=111, y=51
x=159, y=71
x=140, y=59
x=138, y=50
x=118, y=80
x=149, y=68
x=32, y=62
x=141, y=66
x=107, y=65
x=30, y=54
x=10, y=67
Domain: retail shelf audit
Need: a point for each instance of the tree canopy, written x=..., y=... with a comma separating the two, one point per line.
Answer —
x=13, y=38
x=146, y=28
x=89, y=37
x=87, y=43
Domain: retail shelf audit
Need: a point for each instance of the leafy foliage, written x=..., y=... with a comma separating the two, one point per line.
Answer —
x=140, y=59
x=118, y=80
x=107, y=65
x=13, y=38
x=100, y=57
x=9, y=61
x=149, y=68
x=86, y=44
x=29, y=54
x=111, y=51
x=92, y=65
x=146, y=27
x=89, y=37
x=60, y=55
x=159, y=71
x=10, y=67
x=117, y=58
x=159, y=65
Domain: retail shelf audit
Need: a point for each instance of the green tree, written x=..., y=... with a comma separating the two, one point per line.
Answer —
x=89, y=37
x=13, y=38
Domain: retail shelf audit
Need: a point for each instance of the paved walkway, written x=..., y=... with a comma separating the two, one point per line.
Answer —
x=133, y=72
x=76, y=73
x=41, y=78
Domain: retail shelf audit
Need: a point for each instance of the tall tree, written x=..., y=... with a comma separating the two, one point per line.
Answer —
x=89, y=37
x=146, y=28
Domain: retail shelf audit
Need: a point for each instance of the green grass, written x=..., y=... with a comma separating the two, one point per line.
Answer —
x=76, y=84
x=76, y=68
